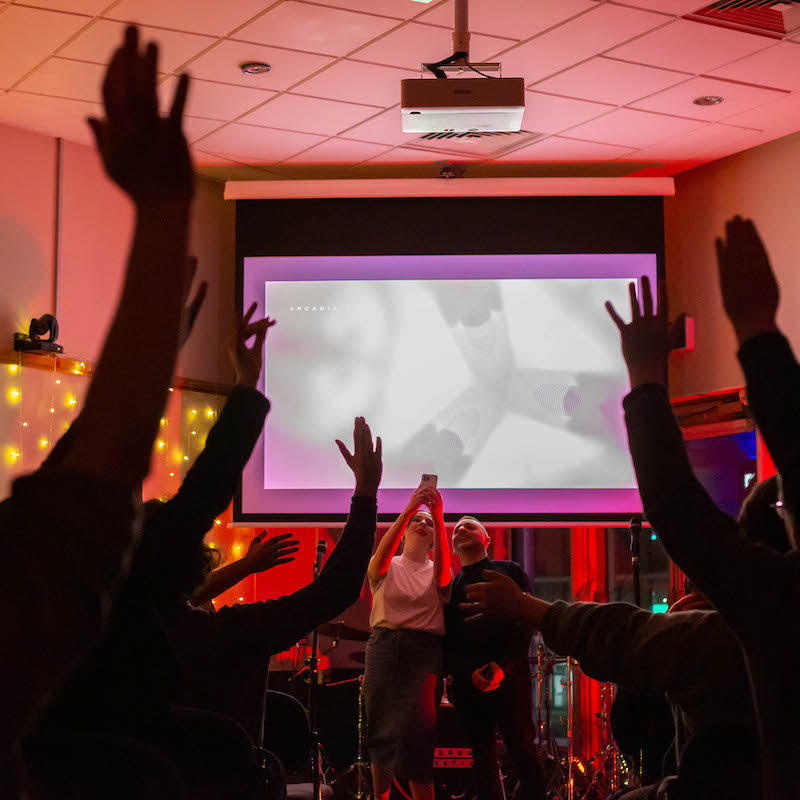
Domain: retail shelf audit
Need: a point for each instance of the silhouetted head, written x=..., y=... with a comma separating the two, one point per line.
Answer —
x=762, y=517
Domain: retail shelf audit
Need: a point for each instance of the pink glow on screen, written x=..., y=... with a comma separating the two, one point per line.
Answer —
x=502, y=373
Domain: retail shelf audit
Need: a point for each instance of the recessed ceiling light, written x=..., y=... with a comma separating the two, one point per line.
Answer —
x=254, y=67
x=422, y=1
x=707, y=100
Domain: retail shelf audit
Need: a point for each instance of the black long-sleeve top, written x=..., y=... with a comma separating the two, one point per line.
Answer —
x=127, y=683
x=691, y=656
x=471, y=645
x=753, y=587
x=224, y=656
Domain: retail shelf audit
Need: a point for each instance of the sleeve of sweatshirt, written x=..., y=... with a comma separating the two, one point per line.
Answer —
x=271, y=626
x=773, y=392
x=67, y=539
x=623, y=644
x=700, y=538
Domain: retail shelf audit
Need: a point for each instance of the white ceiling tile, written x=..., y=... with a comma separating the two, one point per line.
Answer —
x=777, y=118
x=52, y=116
x=691, y=47
x=546, y=113
x=606, y=80
x=629, y=128
x=677, y=7
x=711, y=142
x=678, y=100
x=202, y=159
x=415, y=43
x=221, y=63
x=408, y=155
x=99, y=41
x=385, y=128
x=316, y=28
x=356, y=82
x=308, y=114
x=196, y=16
x=398, y=9
x=574, y=41
x=90, y=7
x=515, y=19
x=30, y=35
x=62, y=77
x=253, y=145
x=195, y=128
x=777, y=66
x=219, y=101
x=559, y=149
x=338, y=151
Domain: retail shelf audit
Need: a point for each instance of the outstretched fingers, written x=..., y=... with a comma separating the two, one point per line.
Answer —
x=612, y=312
x=346, y=454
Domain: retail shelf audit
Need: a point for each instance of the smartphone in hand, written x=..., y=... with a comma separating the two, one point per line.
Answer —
x=428, y=481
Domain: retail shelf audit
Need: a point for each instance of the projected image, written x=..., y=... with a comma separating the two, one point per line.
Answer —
x=502, y=374
x=490, y=384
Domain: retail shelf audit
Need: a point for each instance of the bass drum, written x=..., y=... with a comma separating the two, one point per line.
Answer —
x=452, y=762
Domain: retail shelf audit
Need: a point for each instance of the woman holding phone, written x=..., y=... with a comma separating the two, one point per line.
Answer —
x=404, y=653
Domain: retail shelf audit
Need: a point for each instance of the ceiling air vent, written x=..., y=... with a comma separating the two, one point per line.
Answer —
x=486, y=144
x=767, y=17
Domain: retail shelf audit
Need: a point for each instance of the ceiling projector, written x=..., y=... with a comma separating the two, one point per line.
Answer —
x=462, y=105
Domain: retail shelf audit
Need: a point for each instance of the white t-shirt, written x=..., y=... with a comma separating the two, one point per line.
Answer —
x=407, y=597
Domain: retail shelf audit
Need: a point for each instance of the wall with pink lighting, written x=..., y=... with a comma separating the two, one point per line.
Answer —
x=763, y=184
x=96, y=226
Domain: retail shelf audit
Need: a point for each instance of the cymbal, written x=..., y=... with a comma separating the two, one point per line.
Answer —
x=338, y=630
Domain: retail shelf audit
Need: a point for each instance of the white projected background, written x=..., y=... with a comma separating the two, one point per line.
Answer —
x=490, y=384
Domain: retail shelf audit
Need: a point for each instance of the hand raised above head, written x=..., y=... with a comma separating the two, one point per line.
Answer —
x=648, y=338
x=365, y=461
x=433, y=500
x=248, y=361
x=144, y=153
x=749, y=290
x=263, y=555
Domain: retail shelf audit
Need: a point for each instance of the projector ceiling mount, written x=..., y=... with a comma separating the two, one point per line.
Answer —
x=464, y=105
x=459, y=61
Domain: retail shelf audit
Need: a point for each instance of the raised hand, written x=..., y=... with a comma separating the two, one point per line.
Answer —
x=247, y=361
x=749, y=289
x=263, y=555
x=144, y=153
x=365, y=461
x=192, y=309
x=499, y=598
x=647, y=338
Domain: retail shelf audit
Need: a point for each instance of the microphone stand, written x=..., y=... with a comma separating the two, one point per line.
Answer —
x=636, y=530
x=313, y=676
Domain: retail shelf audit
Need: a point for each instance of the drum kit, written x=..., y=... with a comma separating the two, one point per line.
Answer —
x=568, y=776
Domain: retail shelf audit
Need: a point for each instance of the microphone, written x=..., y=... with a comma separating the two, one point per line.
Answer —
x=635, y=527
x=322, y=548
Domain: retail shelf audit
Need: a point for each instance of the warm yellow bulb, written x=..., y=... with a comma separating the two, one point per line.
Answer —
x=194, y=433
x=12, y=455
x=43, y=443
x=217, y=522
x=12, y=368
x=24, y=424
x=161, y=444
x=171, y=389
x=52, y=411
x=163, y=421
x=14, y=395
x=209, y=412
x=186, y=458
x=71, y=401
x=58, y=380
x=172, y=474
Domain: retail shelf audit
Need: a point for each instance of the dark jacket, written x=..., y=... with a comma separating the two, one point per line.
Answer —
x=753, y=587
x=471, y=645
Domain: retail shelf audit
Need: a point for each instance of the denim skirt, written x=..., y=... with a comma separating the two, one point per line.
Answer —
x=402, y=672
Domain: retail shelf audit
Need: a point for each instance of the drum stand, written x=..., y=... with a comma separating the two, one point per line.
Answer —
x=548, y=747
